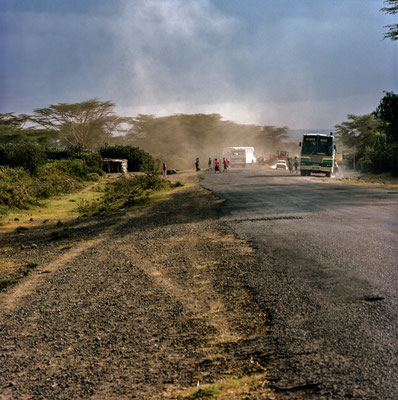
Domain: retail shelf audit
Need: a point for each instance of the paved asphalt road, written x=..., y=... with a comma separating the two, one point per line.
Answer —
x=327, y=275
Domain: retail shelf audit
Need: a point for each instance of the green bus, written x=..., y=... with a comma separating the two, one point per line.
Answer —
x=318, y=154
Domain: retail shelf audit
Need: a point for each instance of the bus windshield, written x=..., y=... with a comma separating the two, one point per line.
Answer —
x=314, y=145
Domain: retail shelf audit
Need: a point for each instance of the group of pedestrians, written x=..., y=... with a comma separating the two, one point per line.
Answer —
x=295, y=164
x=216, y=165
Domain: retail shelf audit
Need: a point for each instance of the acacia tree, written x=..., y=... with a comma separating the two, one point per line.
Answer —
x=392, y=8
x=273, y=137
x=13, y=130
x=87, y=124
x=387, y=112
x=362, y=132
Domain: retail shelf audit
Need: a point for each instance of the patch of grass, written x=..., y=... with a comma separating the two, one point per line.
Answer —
x=64, y=233
x=7, y=282
x=386, y=181
x=27, y=269
x=228, y=389
x=126, y=192
x=63, y=208
x=24, y=270
x=213, y=359
x=226, y=338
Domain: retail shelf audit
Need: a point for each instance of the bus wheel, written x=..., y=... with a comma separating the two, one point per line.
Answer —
x=328, y=174
x=303, y=173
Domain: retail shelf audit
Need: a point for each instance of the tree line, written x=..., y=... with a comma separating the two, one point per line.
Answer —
x=373, y=137
x=181, y=138
x=177, y=139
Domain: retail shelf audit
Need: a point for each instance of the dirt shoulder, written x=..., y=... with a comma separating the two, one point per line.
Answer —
x=146, y=304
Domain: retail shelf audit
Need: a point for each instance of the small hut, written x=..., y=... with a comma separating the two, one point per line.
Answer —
x=114, y=165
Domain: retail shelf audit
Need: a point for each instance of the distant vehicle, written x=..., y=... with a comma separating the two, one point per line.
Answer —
x=283, y=155
x=239, y=156
x=281, y=164
x=318, y=154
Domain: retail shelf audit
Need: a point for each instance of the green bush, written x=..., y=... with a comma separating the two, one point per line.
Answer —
x=52, y=180
x=393, y=158
x=26, y=155
x=138, y=160
x=15, y=188
x=91, y=159
x=366, y=165
x=18, y=189
x=75, y=168
x=126, y=192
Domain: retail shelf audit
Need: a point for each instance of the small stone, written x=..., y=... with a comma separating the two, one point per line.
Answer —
x=34, y=246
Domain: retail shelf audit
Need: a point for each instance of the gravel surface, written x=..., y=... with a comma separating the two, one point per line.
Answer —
x=138, y=304
x=327, y=275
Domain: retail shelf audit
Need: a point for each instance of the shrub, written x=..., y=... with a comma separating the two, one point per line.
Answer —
x=75, y=168
x=18, y=189
x=138, y=160
x=91, y=159
x=52, y=180
x=366, y=165
x=126, y=192
x=26, y=155
x=15, y=188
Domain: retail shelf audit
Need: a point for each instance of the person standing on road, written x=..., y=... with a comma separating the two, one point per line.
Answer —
x=197, y=164
x=164, y=169
x=209, y=163
x=289, y=161
x=216, y=165
x=225, y=163
x=296, y=163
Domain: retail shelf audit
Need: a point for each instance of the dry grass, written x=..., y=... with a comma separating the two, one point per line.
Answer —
x=384, y=181
x=60, y=208
x=229, y=389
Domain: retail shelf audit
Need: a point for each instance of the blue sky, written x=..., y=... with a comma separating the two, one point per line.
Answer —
x=300, y=63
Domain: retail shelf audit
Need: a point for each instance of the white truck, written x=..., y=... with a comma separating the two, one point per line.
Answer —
x=239, y=156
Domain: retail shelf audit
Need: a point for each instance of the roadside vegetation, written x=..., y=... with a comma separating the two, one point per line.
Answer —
x=228, y=389
x=31, y=173
x=176, y=139
x=381, y=181
x=18, y=273
x=371, y=140
x=126, y=192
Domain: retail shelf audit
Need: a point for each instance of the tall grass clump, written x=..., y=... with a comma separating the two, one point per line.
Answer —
x=125, y=192
x=91, y=160
x=28, y=156
x=21, y=190
x=15, y=189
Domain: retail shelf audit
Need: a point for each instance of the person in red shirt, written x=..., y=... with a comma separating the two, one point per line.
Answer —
x=216, y=165
x=225, y=163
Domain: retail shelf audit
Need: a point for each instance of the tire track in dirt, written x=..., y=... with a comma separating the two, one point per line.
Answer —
x=154, y=304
